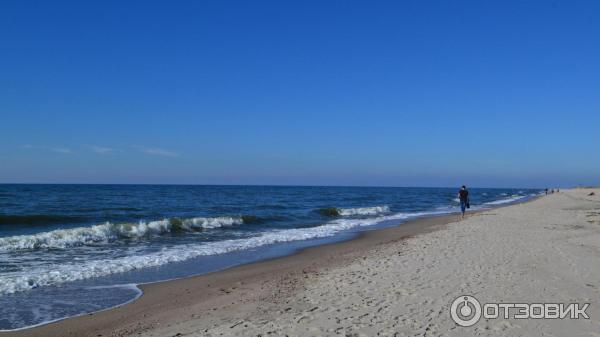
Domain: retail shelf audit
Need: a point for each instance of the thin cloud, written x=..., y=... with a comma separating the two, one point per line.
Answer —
x=102, y=149
x=62, y=150
x=157, y=151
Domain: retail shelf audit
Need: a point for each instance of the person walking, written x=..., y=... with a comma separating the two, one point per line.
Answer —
x=463, y=197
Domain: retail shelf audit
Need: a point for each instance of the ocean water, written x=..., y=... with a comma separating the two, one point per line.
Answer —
x=67, y=250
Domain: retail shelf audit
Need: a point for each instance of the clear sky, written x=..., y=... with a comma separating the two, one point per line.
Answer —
x=398, y=93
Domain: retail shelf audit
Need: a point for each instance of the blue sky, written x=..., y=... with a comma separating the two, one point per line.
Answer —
x=398, y=93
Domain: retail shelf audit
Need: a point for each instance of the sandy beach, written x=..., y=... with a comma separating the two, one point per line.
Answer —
x=299, y=168
x=398, y=281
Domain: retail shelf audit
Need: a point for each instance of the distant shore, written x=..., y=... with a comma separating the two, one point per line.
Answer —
x=398, y=279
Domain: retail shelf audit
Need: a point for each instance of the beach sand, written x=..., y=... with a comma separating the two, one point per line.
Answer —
x=397, y=281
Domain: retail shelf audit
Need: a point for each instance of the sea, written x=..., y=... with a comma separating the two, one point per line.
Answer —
x=68, y=250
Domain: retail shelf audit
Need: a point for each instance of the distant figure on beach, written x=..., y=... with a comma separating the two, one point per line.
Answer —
x=546, y=191
x=463, y=196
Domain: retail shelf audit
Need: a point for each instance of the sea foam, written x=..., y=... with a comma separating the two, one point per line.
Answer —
x=333, y=211
x=364, y=210
x=78, y=270
x=512, y=198
x=109, y=232
x=72, y=271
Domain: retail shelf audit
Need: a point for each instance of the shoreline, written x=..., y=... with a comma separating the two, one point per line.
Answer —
x=134, y=316
x=134, y=312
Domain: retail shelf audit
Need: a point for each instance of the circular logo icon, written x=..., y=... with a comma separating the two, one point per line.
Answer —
x=465, y=310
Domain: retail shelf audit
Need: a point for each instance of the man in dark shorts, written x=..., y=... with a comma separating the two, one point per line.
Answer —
x=463, y=196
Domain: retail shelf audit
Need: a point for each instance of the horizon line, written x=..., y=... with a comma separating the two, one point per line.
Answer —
x=273, y=185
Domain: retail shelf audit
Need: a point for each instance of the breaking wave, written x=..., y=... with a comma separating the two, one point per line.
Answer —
x=365, y=210
x=332, y=211
x=510, y=199
x=104, y=233
x=73, y=271
x=109, y=232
